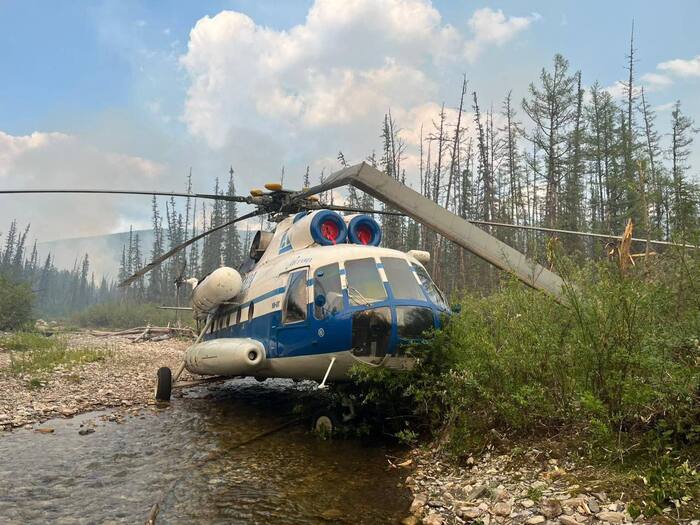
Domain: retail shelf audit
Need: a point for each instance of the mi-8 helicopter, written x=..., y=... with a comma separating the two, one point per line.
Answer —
x=318, y=294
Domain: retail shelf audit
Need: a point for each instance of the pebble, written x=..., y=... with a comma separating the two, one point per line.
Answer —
x=527, y=503
x=502, y=509
x=611, y=517
x=568, y=520
x=535, y=520
x=550, y=508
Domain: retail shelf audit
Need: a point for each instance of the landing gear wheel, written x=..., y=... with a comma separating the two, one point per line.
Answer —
x=164, y=384
x=325, y=423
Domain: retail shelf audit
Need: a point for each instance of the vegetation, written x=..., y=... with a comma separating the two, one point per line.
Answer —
x=15, y=304
x=124, y=315
x=617, y=370
x=34, y=354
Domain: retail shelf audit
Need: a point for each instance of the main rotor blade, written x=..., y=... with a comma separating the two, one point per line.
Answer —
x=584, y=234
x=359, y=210
x=158, y=260
x=234, y=198
x=460, y=231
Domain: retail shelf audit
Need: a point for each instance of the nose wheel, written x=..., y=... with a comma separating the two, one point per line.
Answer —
x=325, y=423
x=164, y=384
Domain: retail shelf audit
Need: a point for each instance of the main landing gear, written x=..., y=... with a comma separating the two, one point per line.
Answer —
x=164, y=384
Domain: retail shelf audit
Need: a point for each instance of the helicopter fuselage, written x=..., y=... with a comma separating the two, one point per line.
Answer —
x=299, y=310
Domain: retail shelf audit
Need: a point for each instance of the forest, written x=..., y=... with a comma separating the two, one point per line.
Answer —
x=565, y=157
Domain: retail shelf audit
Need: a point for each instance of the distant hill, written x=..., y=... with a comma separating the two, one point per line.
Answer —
x=104, y=251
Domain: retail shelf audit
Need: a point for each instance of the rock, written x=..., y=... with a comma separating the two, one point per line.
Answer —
x=573, y=502
x=332, y=514
x=44, y=430
x=469, y=513
x=535, y=520
x=610, y=516
x=433, y=519
x=502, y=509
x=477, y=492
x=410, y=520
x=436, y=503
x=501, y=494
x=593, y=506
x=527, y=503
x=550, y=508
x=568, y=520
x=418, y=503
x=86, y=431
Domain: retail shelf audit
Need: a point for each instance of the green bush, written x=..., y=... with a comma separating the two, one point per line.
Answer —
x=125, y=315
x=23, y=341
x=620, y=363
x=15, y=304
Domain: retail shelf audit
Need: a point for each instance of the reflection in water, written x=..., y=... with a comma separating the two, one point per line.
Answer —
x=117, y=473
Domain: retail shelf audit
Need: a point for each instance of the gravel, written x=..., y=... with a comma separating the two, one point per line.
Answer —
x=125, y=378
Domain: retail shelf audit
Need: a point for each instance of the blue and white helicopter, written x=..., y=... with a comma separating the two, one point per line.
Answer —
x=319, y=294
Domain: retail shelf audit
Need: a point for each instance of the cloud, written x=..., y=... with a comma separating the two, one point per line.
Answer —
x=656, y=81
x=491, y=27
x=59, y=160
x=681, y=67
x=334, y=75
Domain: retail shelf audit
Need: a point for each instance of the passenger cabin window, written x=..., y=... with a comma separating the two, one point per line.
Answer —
x=364, y=284
x=327, y=284
x=433, y=292
x=400, y=276
x=294, y=308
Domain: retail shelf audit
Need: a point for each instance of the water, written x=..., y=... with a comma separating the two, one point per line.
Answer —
x=187, y=456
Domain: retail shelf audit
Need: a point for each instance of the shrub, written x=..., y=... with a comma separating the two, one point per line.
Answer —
x=15, y=304
x=127, y=315
x=621, y=362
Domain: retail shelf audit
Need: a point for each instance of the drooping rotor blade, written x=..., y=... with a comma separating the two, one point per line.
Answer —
x=462, y=232
x=359, y=210
x=234, y=198
x=159, y=260
x=583, y=234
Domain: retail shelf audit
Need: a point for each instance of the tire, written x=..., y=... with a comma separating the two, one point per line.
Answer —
x=325, y=423
x=164, y=384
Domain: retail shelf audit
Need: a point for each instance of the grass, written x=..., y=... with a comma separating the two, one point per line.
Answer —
x=115, y=316
x=33, y=354
x=23, y=341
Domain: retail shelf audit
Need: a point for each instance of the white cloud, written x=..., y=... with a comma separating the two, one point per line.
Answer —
x=681, y=67
x=59, y=160
x=342, y=69
x=656, y=81
x=491, y=27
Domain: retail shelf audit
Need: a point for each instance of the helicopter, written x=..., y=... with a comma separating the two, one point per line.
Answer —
x=318, y=294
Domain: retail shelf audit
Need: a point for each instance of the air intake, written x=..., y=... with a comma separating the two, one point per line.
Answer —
x=363, y=229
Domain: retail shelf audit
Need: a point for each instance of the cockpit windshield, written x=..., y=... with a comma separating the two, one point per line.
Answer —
x=433, y=292
x=403, y=282
x=364, y=284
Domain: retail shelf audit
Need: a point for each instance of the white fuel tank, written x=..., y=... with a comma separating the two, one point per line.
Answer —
x=223, y=284
x=225, y=356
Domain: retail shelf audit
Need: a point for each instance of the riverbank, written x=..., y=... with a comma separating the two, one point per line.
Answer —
x=123, y=376
x=530, y=485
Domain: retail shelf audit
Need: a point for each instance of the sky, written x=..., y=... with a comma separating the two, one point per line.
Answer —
x=131, y=95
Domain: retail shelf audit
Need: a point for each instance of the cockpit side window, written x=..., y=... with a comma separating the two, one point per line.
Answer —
x=327, y=284
x=433, y=292
x=403, y=282
x=294, y=308
x=364, y=284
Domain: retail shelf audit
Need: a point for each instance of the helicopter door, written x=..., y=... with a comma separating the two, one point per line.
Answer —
x=331, y=324
x=293, y=337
